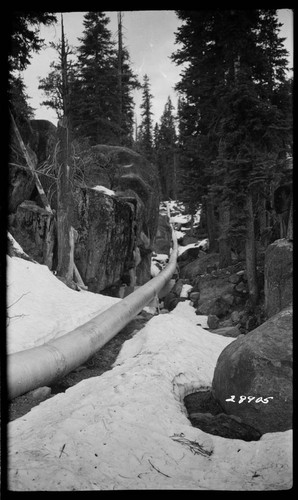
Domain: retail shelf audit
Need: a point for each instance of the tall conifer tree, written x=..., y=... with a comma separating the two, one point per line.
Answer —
x=95, y=101
x=165, y=150
x=236, y=66
x=145, y=130
x=24, y=40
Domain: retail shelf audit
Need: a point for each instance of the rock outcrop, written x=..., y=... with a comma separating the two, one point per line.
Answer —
x=278, y=274
x=35, y=231
x=104, y=245
x=122, y=226
x=20, y=186
x=135, y=181
x=258, y=365
x=199, y=266
x=43, y=140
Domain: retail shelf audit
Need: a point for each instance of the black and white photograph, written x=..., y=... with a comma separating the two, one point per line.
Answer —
x=149, y=251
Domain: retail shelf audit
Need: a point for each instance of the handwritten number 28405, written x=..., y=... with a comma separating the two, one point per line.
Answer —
x=249, y=399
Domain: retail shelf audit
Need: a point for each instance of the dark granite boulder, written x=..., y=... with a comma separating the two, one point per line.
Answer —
x=135, y=180
x=255, y=367
x=104, y=244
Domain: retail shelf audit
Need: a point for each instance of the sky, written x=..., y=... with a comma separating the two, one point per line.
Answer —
x=149, y=37
x=128, y=428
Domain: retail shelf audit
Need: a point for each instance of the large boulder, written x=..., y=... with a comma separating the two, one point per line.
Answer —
x=20, y=186
x=35, y=231
x=199, y=266
x=105, y=237
x=278, y=274
x=135, y=180
x=43, y=139
x=258, y=365
x=188, y=240
x=214, y=292
x=189, y=255
x=122, y=227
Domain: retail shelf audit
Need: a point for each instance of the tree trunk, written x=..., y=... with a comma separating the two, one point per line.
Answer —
x=190, y=232
x=120, y=74
x=211, y=224
x=263, y=223
x=290, y=224
x=64, y=231
x=49, y=241
x=250, y=253
x=225, y=258
x=174, y=184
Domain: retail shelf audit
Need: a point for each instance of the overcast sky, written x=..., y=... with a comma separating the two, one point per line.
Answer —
x=149, y=37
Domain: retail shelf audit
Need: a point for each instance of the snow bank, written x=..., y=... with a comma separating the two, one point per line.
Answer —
x=180, y=219
x=186, y=310
x=155, y=269
x=179, y=234
x=128, y=428
x=158, y=262
x=104, y=189
x=202, y=244
x=41, y=307
x=185, y=290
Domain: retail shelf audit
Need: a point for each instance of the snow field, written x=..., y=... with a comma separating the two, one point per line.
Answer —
x=41, y=307
x=128, y=428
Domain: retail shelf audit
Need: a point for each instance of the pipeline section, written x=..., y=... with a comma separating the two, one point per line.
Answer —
x=40, y=366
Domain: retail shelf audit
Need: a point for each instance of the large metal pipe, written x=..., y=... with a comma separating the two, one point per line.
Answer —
x=40, y=366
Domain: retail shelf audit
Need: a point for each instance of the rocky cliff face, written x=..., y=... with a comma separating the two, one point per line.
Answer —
x=115, y=233
x=43, y=140
x=134, y=180
x=105, y=238
x=35, y=230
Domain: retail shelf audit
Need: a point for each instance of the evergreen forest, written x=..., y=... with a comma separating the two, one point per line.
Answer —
x=225, y=149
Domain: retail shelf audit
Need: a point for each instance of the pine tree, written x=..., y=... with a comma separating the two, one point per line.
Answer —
x=52, y=84
x=102, y=112
x=190, y=173
x=236, y=66
x=24, y=39
x=250, y=127
x=129, y=83
x=145, y=132
x=94, y=93
x=165, y=150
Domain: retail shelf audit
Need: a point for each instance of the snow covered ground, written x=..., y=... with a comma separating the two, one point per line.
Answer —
x=202, y=244
x=177, y=213
x=127, y=429
x=41, y=307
